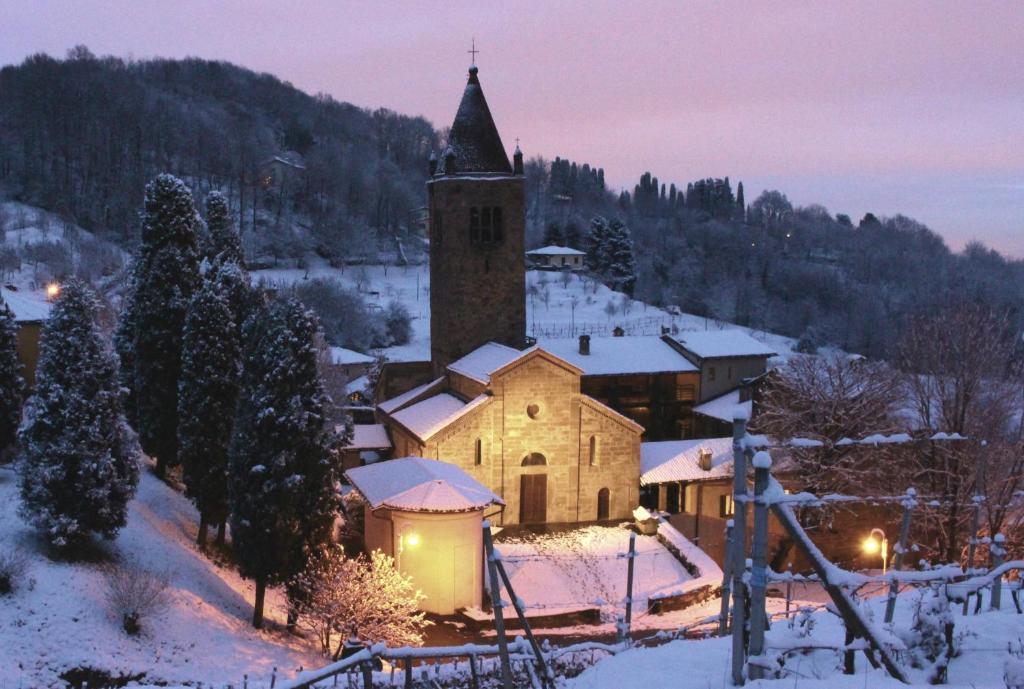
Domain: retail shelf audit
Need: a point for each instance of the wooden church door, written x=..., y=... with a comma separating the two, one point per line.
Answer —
x=533, y=499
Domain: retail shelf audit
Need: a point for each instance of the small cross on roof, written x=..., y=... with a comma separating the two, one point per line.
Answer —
x=473, y=51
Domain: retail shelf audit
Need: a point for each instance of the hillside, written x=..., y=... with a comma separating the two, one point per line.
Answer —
x=80, y=137
x=58, y=619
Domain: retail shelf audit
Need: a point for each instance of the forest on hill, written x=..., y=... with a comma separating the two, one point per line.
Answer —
x=81, y=136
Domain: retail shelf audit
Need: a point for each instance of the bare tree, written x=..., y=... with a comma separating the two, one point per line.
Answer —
x=830, y=399
x=962, y=378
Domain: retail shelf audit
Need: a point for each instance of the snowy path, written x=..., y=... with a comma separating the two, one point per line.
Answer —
x=205, y=636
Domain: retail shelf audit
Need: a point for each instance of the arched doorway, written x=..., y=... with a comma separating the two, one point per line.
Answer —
x=603, y=498
x=533, y=492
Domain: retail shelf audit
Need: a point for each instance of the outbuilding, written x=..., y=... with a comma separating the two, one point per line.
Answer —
x=556, y=258
x=428, y=515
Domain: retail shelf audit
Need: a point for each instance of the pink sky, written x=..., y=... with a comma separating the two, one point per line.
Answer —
x=912, y=107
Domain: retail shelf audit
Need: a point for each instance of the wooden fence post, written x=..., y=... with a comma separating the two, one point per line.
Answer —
x=998, y=551
x=901, y=549
x=629, y=587
x=723, y=616
x=972, y=542
x=758, y=576
x=496, y=605
x=739, y=546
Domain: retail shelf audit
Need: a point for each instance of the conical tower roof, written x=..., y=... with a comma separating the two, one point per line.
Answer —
x=474, y=145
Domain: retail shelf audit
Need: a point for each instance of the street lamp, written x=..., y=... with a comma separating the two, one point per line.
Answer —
x=874, y=545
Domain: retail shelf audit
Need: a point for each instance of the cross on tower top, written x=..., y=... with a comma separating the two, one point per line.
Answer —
x=473, y=51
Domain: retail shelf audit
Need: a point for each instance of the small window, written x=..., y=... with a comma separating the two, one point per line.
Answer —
x=533, y=411
x=478, y=452
x=486, y=225
x=534, y=459
x=711, y=373
x=686, y=393
x=593, y=451
x=725, y=506
x=728, y=373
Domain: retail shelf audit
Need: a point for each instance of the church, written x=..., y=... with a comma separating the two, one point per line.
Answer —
x=511, y=416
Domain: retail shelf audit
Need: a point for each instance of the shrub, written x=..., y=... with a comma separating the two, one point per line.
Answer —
x=398, y=323
x=134, y=594
x=13, y=568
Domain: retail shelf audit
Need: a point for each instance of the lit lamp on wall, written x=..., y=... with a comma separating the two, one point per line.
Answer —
x=53, y=290
x=407, y=538
x=876, y=542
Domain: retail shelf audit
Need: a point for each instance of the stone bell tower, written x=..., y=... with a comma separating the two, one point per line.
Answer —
x=477, y=228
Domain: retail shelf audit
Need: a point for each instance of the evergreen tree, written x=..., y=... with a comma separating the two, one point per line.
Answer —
x=79, y=469
x=283, y=462
x=597, y=246
x=572, y=235
x=150, y=337
x=553, y=234
x=741, y=204
x=621, y=270
x=224, y=240
x=12, y=387
x=208, y=391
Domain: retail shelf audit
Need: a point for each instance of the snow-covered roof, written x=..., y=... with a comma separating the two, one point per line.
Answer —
x=27, y=306
x=427, y=417
x=396, y=403
x=341, y=356
x=416, y=484
x=473, y=141
x=620, y=355
x=678, y=460
x=713, y=344
x=485, y=360
x=556, y=251
x=369, y=436
x=724, y=406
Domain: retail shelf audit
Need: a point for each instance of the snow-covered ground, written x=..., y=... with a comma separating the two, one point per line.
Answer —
x=557, y=305
x=586, y=568
x=705, y=664
x=60, y=621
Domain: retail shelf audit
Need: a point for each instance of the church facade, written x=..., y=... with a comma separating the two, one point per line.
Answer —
x=517, y=422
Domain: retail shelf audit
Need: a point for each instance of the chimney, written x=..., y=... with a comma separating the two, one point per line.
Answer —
x=704, y=459
x=432, y=165
x=585, y=345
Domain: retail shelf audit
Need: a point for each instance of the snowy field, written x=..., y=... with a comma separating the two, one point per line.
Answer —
x=58, y=620
x=557, y=306
x=586, y=568
x=982, y=641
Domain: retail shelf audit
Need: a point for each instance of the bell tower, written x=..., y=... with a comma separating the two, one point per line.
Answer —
x=477, y=228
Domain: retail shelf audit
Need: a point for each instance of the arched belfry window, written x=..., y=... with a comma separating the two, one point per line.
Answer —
x=486, y=225
x=534, y=459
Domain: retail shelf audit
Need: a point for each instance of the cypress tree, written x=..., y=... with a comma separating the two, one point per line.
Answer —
x=597, y=246
x=79, y=470
x=12, y=386
x=150, y=337
x=283, y=462
x=208, y=391
x=553, y=234
x=621, y=270
x=223, y=239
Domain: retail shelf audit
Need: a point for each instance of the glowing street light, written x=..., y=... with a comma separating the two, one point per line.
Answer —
x=873, y=545
x=53, y=290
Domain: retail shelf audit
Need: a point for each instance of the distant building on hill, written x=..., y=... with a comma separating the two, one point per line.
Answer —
x=556, y=258
x=31, y=309
x=278, y=172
